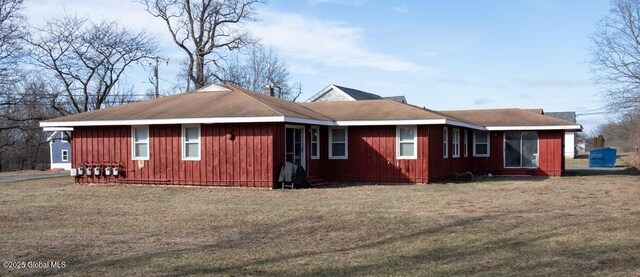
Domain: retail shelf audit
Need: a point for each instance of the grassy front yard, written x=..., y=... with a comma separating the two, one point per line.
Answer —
x=558, y=226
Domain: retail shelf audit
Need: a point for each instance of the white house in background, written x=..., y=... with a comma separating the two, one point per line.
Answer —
x=570, y=148
x=60, y=150
x=339, y=93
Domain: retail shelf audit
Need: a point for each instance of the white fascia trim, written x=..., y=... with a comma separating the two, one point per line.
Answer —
x=204, y=120
x=464, y=124
x=68, y=126
x=308, y=121
x=390, y=122
x=523, y=128
x=55, y=128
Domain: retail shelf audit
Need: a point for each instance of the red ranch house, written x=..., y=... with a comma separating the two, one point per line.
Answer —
x=228, y=136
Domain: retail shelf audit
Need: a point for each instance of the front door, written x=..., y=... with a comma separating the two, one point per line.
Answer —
x=294, y=144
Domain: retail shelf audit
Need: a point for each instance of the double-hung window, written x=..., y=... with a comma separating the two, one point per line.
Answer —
x=338, y=143
x=315, y=143
x=465, y=143
x=140, y=141
x=445, y=142
x=191, y=142
x=481, y=144
x=455, y=143
x=406, y=142
x=64, y=155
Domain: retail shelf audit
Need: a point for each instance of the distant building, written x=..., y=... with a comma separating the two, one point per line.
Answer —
x=60, y=150
x=339, y=93
x=570, y=147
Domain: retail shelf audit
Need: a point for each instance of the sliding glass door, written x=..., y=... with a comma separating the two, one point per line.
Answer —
x=520, y=149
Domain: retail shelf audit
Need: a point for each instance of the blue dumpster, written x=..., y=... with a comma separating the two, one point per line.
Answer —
x=602, y=157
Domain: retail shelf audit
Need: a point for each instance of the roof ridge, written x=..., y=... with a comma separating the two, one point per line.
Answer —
x=418, y=108
x=253, y=95
x=246, y=94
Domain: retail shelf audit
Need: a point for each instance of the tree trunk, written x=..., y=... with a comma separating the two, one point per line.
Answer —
x=200, y=79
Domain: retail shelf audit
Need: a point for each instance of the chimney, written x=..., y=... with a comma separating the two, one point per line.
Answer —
x=269, y=90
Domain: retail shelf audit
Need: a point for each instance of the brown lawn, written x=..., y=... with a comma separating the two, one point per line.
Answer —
x=535, y=226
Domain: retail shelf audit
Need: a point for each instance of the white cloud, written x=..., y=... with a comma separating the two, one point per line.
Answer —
x=328, y=43
x=302, y=69
x=552, y=83
x=342, y=2
x=401, y=8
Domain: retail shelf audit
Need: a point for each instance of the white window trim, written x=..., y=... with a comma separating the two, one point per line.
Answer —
x=455, y=143
x=316, y=157
x=133, y=143
x=445, y=142
x=466, y=143
x=488, y=145
x=346, y=144
x=183, y=142
x=414, y=141
x=62, y=154
x=504, y=151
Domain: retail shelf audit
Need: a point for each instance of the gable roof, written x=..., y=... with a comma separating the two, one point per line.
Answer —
x=511, y=119
x=568, y=116
x=193, y=107
x=398, y=98
x=358, y=94
x=348, y=93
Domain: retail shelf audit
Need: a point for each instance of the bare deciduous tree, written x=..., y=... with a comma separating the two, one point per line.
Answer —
x=616, y=54
x=23, y=145
x=261, y=67
x=86, y=59
x=205, y=28
x=12, y=30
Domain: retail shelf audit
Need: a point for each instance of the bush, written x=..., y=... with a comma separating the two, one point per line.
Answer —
x=635, y=161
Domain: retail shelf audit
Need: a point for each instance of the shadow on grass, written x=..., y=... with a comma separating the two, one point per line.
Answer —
x=617, y=171
x=463, y=260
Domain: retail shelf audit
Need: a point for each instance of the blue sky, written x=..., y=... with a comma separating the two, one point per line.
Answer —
x=439, y=54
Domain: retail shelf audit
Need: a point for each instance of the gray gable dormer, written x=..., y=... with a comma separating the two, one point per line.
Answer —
x=339, y=93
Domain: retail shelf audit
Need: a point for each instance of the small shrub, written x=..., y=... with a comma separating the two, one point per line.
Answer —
x=634, y=162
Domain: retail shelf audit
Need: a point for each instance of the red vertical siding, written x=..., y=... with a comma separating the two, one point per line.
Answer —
x=550, y=155
x=255, y=155
x=441, y=168
x=240, y=162
x=371, y=157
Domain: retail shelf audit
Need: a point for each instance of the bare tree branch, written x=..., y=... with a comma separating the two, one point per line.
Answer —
x=258, y=68
x=616, y=55
x=205, y=27
x=87, y=59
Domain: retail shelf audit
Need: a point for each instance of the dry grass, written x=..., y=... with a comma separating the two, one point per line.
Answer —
x=556, y=226
x=21, y=172
x=625, y=159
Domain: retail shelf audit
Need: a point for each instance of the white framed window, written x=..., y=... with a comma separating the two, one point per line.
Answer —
x=466, y=143
x=64, y=155
x=455, y=143
x=445, y=142
x=338, y=143
x=481, y=144
x=140, y=142
x=315, y=143
x=406, y=142
x=191, y=142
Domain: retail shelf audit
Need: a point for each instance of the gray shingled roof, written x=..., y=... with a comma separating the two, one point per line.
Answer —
x=568, y=116
x=358, y=94
x=399, y=98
